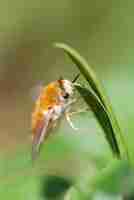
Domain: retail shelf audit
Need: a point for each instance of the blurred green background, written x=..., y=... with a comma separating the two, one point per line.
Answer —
x=102, y=31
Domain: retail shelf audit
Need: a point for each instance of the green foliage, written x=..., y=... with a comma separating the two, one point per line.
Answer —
x=54, y=187
x=98, y=101
x=102, y=117
x=98, y=180
x=103, y=31
x=115, y=182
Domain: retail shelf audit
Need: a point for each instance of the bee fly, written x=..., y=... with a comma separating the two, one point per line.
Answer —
x=53, y=102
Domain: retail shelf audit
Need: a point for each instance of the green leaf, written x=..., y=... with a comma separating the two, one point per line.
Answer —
x=101, y=115
x=98, y=89
x=83, y=67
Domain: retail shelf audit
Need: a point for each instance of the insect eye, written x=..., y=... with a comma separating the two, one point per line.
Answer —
x=66, y=96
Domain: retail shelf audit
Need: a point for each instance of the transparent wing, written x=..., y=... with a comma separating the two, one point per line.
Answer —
x=35, y=91
x=41, y=133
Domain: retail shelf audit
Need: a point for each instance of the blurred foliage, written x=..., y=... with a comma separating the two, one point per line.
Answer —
x=97, y=100
x=103, y=32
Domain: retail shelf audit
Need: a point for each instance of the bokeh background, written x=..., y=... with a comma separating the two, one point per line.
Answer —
x=102, y=31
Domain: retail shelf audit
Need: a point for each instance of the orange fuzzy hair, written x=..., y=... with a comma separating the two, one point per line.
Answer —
x=49, y=97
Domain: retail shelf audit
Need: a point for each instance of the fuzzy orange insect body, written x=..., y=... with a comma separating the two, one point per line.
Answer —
x=50, y=105
x=47, y=99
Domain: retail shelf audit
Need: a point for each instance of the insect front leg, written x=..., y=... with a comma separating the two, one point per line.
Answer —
x=70, y=122
x=84, y=110
x=67, y=115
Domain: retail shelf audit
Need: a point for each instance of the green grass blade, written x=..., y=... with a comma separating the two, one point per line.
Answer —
x=101, y=115
x=98, y=89
x=83, y=67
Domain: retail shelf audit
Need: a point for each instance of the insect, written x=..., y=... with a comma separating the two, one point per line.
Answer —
x=53, y=102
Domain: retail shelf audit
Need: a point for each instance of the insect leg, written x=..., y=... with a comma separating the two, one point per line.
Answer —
x=84, y=110
x=70, y=122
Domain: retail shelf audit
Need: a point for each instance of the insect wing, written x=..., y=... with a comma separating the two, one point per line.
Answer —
x=41, y=133
x=36, y=91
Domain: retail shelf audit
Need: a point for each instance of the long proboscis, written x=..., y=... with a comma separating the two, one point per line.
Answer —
x=75, y=78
